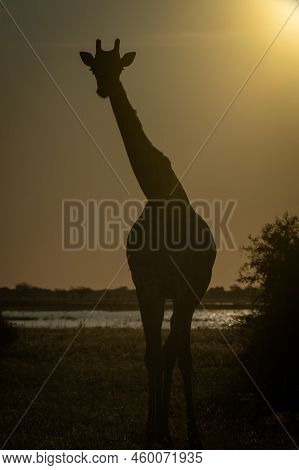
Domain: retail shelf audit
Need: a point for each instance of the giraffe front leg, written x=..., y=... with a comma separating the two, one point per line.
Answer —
x=152, y=312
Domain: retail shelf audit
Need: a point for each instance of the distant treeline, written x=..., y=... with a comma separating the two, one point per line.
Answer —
x=27, y=297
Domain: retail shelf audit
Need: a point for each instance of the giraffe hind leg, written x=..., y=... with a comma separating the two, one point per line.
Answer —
x=169, y=356
x=180, y=333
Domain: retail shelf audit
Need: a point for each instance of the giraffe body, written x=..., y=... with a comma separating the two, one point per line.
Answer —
x=154, y=256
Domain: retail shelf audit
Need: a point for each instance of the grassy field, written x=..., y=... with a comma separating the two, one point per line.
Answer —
x=97, y=397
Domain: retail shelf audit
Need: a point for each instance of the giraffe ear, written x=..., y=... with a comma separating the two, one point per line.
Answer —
x=87, y=58
x=128, y=59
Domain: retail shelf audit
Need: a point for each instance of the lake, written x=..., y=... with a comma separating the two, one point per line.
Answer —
x=120, y=319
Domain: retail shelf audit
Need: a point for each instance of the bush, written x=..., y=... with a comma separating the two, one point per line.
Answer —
x=7, y=333
x=272, y=355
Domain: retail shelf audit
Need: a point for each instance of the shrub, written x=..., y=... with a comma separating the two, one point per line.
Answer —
x=272, y=354
x=7, y=333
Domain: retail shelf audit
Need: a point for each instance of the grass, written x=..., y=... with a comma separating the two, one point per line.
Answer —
x=97, y=397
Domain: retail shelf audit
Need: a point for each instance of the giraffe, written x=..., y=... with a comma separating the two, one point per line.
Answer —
x=161, y=267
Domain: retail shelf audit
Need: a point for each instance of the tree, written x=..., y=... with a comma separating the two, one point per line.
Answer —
x=273, y=266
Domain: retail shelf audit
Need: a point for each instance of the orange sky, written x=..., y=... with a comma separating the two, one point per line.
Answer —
x=191, y=59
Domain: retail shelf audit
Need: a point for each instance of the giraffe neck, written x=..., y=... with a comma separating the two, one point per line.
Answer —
x=129, y=125
x=152, y=169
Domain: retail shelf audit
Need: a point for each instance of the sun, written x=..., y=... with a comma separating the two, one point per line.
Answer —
x=282, y=9
x=285, y=7
x=277, y=11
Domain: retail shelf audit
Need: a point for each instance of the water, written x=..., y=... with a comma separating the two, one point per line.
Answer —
x=124, y=319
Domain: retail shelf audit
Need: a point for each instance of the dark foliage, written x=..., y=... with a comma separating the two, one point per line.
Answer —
x=272, y=355
x=7, y=332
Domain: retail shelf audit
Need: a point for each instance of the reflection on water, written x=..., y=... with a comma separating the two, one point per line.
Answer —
x=124, y=319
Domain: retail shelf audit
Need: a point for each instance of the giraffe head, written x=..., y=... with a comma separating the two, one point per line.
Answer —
x=107, y=66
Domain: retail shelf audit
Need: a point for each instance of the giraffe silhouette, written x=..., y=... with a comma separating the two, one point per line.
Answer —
x=170, y=250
